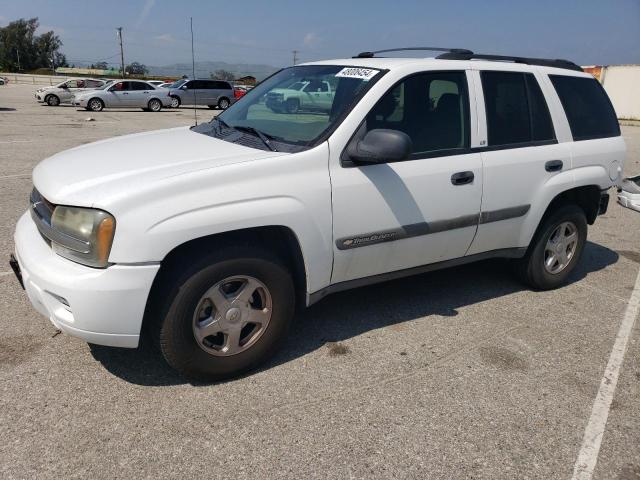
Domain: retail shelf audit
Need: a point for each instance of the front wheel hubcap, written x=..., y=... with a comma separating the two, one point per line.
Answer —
x=561, y=247
x=232, y=315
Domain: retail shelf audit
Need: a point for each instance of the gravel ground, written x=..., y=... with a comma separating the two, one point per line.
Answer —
x=461, y=373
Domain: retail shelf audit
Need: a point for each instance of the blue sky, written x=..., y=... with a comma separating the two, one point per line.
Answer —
x=156, y=32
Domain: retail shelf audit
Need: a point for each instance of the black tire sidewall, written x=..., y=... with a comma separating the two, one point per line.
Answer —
x=536, y=272
x=50, y=97
x=178, y=343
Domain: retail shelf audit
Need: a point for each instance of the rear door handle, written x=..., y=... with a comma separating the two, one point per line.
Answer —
x=462, y=178
x=553, y=166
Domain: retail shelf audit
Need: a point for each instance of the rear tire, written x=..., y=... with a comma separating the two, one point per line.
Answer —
x=223, y=103
x=154, y=105
x=180, y=314
x=555, y=250
x=52, y=100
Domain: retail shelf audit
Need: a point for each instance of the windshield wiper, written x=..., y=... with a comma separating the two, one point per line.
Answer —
x=262, y=136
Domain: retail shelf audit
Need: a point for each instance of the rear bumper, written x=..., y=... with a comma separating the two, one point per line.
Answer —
x=101, y=306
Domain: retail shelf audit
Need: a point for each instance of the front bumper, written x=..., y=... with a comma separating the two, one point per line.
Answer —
x=101, y=306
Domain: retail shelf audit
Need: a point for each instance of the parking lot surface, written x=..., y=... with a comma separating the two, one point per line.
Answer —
x=462, y=373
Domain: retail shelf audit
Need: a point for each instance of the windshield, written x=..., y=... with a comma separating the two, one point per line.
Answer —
x=298, y=105
x=178, y=83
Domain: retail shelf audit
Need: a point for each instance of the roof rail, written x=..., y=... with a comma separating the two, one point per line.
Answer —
x=545, y=62
x=460, y=51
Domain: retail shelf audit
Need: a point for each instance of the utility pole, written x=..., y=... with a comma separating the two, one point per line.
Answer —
x=18, y=55
x=121, y=50
x=295, y=57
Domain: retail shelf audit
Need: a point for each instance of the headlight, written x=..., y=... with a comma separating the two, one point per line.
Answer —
x=87, y=235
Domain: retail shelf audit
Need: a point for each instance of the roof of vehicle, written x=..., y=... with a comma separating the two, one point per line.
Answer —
x=457, y=58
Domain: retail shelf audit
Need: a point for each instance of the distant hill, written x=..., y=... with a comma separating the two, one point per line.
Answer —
x=204, y=69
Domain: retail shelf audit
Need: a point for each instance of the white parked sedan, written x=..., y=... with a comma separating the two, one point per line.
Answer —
x=65, y=91
x=124, y=94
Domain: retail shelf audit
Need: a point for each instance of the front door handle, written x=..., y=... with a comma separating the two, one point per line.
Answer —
x=553, y=165
x=462, y=178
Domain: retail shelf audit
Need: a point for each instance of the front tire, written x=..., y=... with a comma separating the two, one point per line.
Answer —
x=175, y=102
x=226, y=313
x=53, y=100
x=95, y=105
x=555, y=250
x=292, y=105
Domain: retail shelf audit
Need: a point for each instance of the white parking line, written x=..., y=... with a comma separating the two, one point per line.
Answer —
x=16, y=141
x=588, y=456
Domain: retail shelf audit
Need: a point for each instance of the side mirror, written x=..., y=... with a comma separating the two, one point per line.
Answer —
x=183, y=87
x=381, y=146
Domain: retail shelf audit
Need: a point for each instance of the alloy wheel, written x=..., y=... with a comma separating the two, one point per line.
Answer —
x=561, y=247
x=232, y=315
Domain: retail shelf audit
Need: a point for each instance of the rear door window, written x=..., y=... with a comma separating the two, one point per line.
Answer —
x=516, y=110
x=140, y=86
x=587, y=106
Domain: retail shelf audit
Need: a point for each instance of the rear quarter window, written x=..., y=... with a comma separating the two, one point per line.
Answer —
x=587, y=106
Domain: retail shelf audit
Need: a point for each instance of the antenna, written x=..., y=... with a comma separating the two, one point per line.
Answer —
x=193, y=74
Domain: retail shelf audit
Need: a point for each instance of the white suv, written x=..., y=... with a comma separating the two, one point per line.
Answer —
x=209, y=237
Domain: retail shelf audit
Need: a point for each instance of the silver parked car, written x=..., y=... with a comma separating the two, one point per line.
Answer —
x=212, y=93
x=125, y=94
x=65, y=91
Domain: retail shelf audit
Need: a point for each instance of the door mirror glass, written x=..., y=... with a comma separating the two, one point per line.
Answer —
x=381, y=146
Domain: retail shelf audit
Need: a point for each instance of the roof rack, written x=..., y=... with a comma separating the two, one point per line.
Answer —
x=464, y=54
x=461, y=51
x=545, y=62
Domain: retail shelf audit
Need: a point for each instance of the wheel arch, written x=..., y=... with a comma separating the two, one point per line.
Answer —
x=277, y=238
x=587, y=197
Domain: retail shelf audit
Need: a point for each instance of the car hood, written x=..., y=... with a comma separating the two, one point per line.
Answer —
x=99, y=173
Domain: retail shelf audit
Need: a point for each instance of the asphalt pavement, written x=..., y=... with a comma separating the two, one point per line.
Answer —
x=462, y=373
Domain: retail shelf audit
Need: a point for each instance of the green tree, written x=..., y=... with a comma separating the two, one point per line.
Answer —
x=222, y=75
x=101, y=66
x=136, y=68
x=21, y=49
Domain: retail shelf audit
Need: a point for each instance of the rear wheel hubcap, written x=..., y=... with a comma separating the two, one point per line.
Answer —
x=561, y=247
